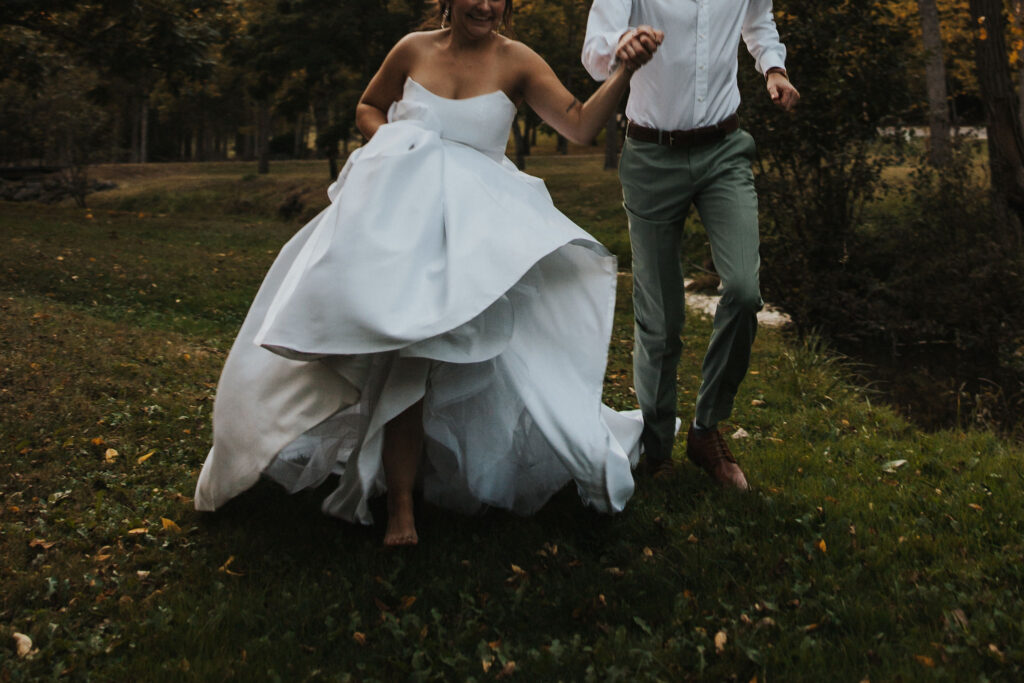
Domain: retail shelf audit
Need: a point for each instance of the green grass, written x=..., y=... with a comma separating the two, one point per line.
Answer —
x=842, y=565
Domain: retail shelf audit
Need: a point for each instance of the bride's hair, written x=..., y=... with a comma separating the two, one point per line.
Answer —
x=437, y=18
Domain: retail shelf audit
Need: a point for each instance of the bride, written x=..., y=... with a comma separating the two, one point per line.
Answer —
x=440, y=324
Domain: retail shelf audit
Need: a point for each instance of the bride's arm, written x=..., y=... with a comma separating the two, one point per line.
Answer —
x=577, y=121
x=385, y=87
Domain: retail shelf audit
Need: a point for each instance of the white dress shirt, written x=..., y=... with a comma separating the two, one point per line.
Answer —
x=691, y=80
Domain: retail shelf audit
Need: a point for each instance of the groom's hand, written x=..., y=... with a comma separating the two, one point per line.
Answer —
x=781, y=90
x=637, y=46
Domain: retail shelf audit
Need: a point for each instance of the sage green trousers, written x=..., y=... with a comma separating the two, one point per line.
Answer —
x=659, y=185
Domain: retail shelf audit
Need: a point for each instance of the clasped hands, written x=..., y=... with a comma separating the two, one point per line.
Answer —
x=637, y=46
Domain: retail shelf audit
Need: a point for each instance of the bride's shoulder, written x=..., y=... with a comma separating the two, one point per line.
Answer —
x=511, y=49
x=417, y=41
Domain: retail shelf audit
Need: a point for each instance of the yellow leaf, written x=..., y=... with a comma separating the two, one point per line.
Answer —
x=144, y=458
x=41, y=543
x=138, y=530
x=821, y=545
x=224, y=567
x=485, y=664
x=110, y=455
x=692, y=539
x=169, y=525
x=648, y=552
x=975, y=506
x=97, y=441
x=359, y=637
x=924, y=660
x=720, y=640
x=407, y=601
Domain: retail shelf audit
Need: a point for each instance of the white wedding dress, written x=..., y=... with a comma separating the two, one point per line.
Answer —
x=439, y=271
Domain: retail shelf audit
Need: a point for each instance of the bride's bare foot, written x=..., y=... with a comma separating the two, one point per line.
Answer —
x=401, y=523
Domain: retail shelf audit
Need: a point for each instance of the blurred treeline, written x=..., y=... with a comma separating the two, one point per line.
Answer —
x=903, y=248
x=167, y=80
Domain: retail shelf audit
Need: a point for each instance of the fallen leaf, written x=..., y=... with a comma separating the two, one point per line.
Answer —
x=516, y=569
x=720, y=640
x=494, y=644
x=138, y=530
x=110, y=455
x=741, y=433
x=893, y=465
x=169, y=525
x=925, y=660
x=407, y=602
x=97, y=441
x=144, y=458
x=692, y=539
x=615, y=571
x=485, y=663
x=359, y=637
x=959, y=618
x=821, y=545
x=507, y=670
x=224, y=567
x=23, y=644
x=41, y=543
x=975, y=506
x=757, y=402
x=648, y=552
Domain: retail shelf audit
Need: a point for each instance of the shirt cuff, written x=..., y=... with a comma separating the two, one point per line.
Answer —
x=769, y=61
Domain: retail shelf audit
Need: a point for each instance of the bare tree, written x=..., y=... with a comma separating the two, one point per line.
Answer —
x=939, y=146
x=1005, y=138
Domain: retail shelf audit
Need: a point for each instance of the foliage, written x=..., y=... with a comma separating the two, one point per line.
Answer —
x=867, y=551
x=819, y=167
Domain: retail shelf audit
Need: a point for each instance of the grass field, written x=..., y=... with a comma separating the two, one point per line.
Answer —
x=867, y=550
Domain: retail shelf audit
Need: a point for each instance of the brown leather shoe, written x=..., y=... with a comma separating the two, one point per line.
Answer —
x=708, y=450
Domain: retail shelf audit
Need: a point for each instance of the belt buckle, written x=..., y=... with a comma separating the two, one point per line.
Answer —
x=671, y=138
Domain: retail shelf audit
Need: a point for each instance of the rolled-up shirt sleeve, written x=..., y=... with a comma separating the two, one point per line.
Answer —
x=608, y=20
x=762, y=37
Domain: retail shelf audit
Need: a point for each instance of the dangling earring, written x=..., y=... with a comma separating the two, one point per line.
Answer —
x=444, y=17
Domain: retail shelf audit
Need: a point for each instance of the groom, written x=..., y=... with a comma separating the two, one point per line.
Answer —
x=684, y=147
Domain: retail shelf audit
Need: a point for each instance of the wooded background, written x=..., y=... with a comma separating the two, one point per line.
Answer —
x=871, y=235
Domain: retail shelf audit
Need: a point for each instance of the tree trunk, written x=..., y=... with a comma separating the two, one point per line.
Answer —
x=1018, y=22
x=939, y=145
x=134, y=115
x=611, y=142
x=263, y=137
x=1005, y=140
x=144, y=131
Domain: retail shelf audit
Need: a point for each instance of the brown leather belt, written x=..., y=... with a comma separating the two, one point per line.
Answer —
x=683, y=138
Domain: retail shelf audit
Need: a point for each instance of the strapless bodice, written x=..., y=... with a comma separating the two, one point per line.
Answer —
x=482, y=122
